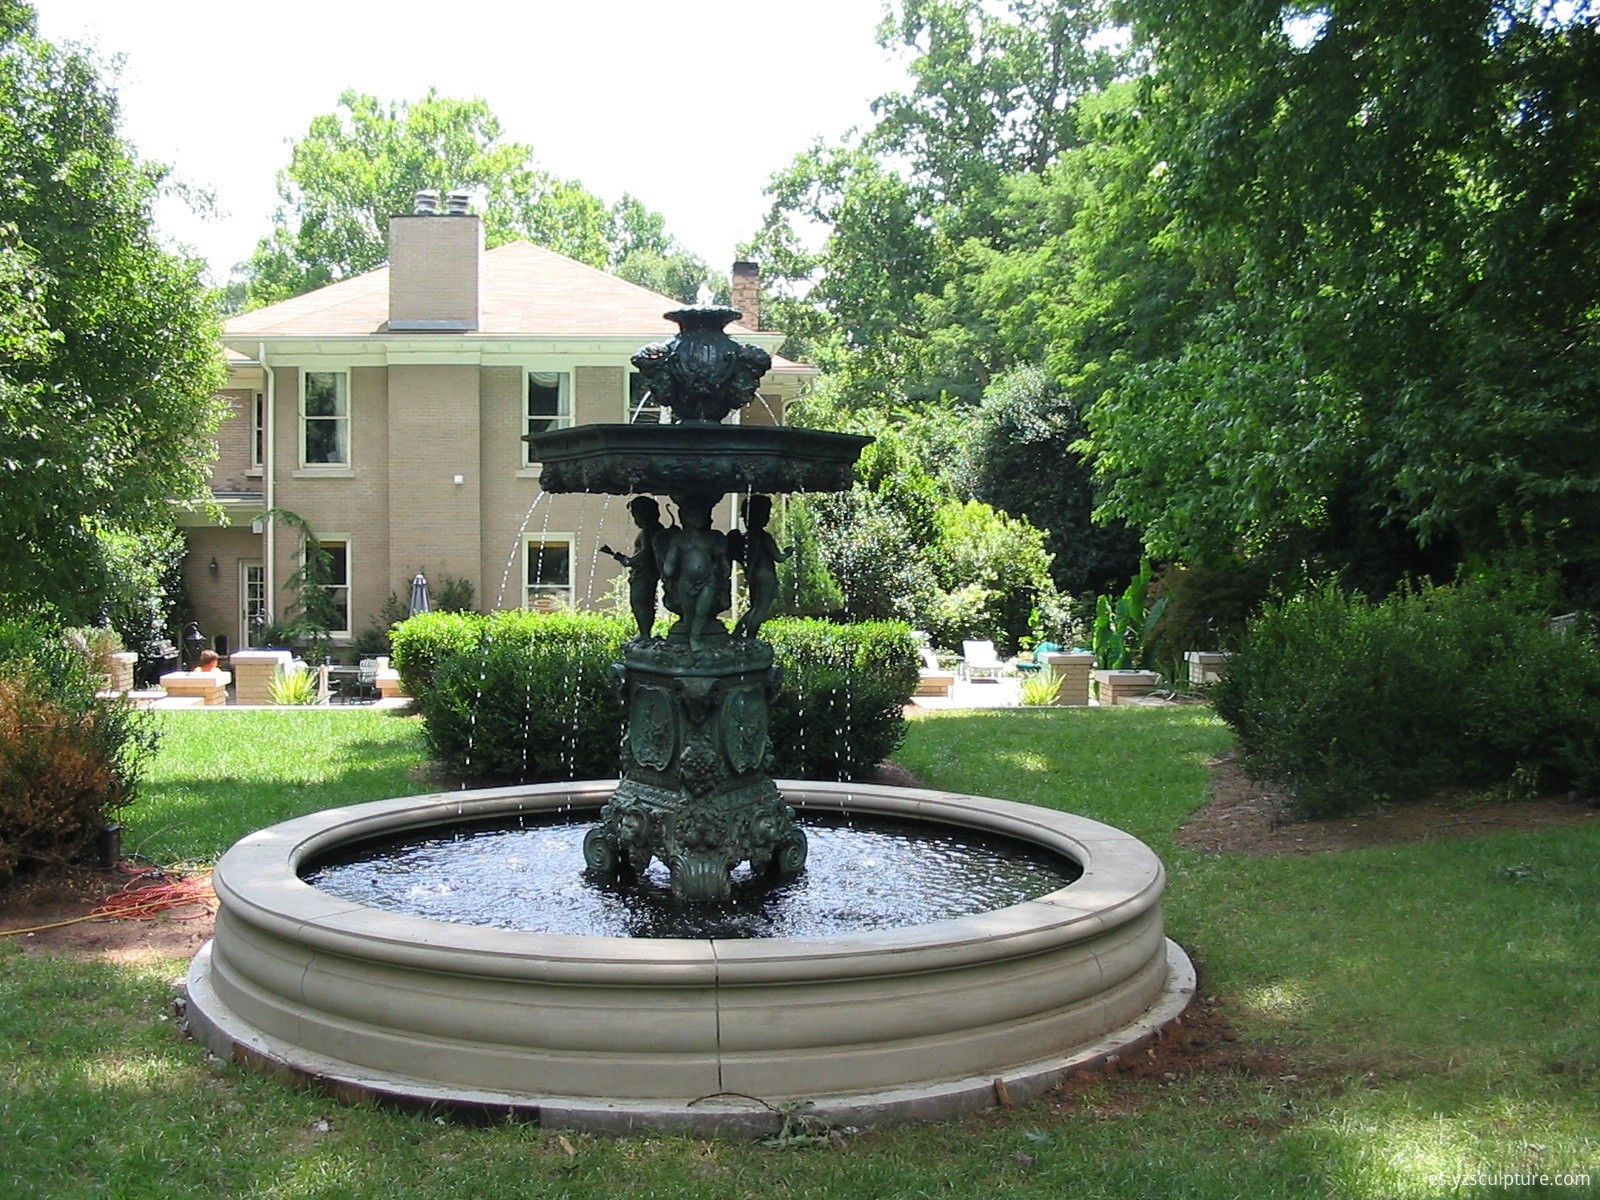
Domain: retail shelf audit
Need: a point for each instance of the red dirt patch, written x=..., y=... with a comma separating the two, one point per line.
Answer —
x=1247, y=816
x=53, y=912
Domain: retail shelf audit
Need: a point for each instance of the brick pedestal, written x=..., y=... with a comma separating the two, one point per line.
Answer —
x=254, y=670
x=209, y=687
x=1072, y=670
x=1205, y=666
x=1118, y=687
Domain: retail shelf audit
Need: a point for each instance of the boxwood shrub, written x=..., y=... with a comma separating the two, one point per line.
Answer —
x=840, y=710
x=524, y=697
x=1351, y=703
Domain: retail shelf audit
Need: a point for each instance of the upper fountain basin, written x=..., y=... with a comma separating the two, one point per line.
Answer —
x=694, y=456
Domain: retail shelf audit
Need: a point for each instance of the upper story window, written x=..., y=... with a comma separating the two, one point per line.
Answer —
x=641, y=409
x=549, y=405
x=325, y=419
x=258, y=431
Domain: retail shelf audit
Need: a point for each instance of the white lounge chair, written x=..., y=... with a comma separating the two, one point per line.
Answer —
x=979, y=661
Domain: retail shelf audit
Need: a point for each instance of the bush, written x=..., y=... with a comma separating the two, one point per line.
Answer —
x=1350, y=703
x=517, y=696
x=520, y=696
x=69, y=759
x=419, y=644
x=841, y=708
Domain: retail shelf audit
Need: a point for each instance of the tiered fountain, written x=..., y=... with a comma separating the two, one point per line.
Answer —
x=705, y=1030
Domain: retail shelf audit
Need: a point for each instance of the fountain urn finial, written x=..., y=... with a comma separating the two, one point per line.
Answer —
x=701, y=373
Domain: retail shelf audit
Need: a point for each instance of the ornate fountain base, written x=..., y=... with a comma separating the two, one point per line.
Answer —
x=695, y=791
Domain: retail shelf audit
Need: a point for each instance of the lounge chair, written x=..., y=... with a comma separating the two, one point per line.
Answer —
x=1041, y=652
x=979, y=661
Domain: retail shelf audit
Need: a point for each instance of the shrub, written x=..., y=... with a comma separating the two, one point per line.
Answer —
x=841, y=708
x=1349, y=703
x=1041, y=689
x=517, y=696
x=421, y=643
x=69, y=759
x=520, y=696
x=293, y=688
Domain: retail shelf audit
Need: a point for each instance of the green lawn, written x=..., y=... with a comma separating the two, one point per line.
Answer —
x=1435, y=1008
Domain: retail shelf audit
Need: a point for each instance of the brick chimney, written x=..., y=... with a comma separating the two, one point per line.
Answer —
x=747, y=293
x=435, y=261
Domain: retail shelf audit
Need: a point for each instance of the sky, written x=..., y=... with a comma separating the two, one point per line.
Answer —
x=690, y=107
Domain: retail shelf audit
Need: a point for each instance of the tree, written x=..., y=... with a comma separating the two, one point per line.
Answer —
x=1387, y=360
x=1022, y=458
x=108, y=344
x=914, y=207
x=361, y=164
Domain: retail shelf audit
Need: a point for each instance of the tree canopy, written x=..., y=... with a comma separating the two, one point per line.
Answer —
x=364, y=162
x=109, y=359
x=1316, y=279
x=1388, y=218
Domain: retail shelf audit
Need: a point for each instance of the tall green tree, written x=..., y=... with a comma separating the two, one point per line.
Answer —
x=1388, y=359
x=364, y=162
x=912, y=209
x=109, y=358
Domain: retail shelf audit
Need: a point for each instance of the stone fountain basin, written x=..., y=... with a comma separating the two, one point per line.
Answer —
x=615, y=1033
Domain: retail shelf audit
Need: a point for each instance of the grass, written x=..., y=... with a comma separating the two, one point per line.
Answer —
x=1434, y=1007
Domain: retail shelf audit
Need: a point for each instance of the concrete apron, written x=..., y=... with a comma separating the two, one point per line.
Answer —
x=698, y=1035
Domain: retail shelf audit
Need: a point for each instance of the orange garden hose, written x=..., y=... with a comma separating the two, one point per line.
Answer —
x=139, y=900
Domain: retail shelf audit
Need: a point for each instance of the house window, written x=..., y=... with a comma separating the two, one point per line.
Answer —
x=258, y=431
x=642, y=410
x=325, y=419
x=549, y=405
x=549, y=572
x=337, y=583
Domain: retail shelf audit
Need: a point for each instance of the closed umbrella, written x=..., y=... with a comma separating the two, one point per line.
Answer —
x=419, y=595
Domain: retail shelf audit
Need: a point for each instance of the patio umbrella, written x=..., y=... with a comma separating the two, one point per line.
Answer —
x=419, y=595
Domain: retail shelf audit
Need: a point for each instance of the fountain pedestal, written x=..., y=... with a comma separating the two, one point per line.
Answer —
x=695, y=791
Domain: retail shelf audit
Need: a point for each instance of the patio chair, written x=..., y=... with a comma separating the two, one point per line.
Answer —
x=367, y=679
x=1042, y=651
x=979, y=661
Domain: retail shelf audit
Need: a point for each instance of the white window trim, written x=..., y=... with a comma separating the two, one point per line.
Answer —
x=343, y=468
x=530, y=550
x=566, y=403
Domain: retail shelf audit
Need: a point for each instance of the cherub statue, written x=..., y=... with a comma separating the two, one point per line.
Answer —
x=644, y=567
x=758, y=551
x=695, y=569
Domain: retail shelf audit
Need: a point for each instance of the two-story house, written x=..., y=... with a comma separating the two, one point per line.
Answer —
x=388, y=411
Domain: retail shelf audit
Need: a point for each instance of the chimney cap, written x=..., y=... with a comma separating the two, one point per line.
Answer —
x=458, y=203
x=426, y=202
x=745, y=266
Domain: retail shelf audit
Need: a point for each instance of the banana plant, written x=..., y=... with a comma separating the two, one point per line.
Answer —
x=1122, y=627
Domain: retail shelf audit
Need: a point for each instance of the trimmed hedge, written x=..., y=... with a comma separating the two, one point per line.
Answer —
x=516, y=696
x=69, y=759
x=841, y=708
x=1350, y=703
x=524, y=697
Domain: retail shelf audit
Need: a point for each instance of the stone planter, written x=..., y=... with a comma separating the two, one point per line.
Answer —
x=1072, y=669
x=1119, y=687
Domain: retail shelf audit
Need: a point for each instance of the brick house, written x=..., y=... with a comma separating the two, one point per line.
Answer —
x=388, y=411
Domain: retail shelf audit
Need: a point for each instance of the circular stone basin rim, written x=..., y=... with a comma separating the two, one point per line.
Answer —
x=879, y=1025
